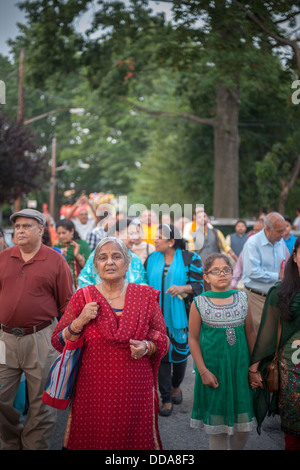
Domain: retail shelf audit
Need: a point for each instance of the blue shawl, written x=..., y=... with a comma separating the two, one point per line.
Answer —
x=173, y=308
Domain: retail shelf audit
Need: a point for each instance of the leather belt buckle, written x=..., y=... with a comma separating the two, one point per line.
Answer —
x=17, y=332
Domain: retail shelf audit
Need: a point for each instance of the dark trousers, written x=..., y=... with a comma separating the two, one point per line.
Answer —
x=170, y=375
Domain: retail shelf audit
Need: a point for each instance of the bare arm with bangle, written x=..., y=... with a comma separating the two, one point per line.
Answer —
x=207, y=377
x=142, y=348
x=178, y=290
x=73, y=331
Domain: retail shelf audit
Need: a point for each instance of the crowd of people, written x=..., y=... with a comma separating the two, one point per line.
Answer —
x=159, y=290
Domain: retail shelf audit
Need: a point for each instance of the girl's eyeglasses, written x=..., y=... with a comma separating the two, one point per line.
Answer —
x=217, y=272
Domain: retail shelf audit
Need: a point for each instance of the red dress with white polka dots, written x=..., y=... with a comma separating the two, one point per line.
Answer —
x=115, y=405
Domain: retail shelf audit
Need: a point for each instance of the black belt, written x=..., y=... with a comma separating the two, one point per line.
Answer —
x=258, y=292
x=29, y=330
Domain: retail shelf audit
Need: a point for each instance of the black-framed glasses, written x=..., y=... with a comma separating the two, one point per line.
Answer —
x=217, y=272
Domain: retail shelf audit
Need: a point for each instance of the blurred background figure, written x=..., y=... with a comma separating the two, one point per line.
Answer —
x=288, y=237
x=3, y=243
x=149, y=224
x=296, y=224
x=105, y=221
x=75, y=250
x=79, y=213
x=237, y=239
x=140, y=247
x=181, y=223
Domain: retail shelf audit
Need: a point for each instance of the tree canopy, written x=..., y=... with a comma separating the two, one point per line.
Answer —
x=183, y=109
x=23, y=166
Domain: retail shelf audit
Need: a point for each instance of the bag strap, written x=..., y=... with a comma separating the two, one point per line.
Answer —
x=87, y=295
x=278, y=334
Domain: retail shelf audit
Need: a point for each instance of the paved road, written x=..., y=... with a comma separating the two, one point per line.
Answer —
x=176, y=433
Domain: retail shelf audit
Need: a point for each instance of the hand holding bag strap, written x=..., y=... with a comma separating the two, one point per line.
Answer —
x=61, y=380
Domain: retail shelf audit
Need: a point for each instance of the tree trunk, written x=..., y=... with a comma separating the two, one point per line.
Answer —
x=286, y=186
x=226, y=149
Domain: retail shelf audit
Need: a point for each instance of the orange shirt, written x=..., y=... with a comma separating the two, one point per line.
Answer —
x=149, y=233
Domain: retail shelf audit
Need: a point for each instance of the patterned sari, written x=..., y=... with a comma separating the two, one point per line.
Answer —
x=286, y=402
x=115, y=406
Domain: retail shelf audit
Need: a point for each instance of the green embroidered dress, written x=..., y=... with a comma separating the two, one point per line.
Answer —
x=224, y=347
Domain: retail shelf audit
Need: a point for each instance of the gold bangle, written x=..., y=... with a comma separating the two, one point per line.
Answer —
x=147, y=347
x=153, y=348
x=150, y=348
x=75, y=328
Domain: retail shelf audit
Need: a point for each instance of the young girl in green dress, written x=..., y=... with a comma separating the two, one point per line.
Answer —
x=221, y=339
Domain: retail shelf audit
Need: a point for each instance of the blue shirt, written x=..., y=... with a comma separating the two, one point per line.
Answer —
x=262, y=261
x=290, y=242
x=136, y=272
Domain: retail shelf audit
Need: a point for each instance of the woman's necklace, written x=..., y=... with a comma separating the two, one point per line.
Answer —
x=113, y=298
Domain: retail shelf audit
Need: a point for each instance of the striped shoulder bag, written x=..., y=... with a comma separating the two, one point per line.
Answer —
x=63, y=373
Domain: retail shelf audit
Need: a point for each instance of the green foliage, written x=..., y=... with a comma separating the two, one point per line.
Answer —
x=160, y=66
x=23, y=167
x=276, y=167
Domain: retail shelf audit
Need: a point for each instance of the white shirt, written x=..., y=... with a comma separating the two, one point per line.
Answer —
x=84, y=229
x=262, y=261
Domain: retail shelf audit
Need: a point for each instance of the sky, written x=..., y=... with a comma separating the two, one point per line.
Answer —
x=10, y=15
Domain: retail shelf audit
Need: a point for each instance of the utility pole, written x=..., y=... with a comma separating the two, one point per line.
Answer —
x=53, y=171
x=21, y=87
x=18, y=201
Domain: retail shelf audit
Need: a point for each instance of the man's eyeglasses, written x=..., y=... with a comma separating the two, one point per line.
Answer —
x=217, y=272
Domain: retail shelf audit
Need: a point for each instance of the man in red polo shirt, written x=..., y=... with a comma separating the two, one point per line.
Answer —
x=35, y=288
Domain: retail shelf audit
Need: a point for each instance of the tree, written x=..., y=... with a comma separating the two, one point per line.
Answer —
x=214, y=42
x=23, y=167
x=277, y=174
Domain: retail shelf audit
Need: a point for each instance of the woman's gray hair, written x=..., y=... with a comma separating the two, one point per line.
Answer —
x=121, y=244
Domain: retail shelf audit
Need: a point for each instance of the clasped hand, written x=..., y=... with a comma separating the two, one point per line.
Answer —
x=175, y=290
x=255, y=380
x=76, y=249
x=88, y=313
x=137, y=348
x=209, y=379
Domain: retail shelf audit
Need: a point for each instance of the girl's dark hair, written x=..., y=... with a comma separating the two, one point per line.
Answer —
x=68, y=225
x=290, y=285
x=46, y=238
x=3, y=235
x=172, y=233
x=209, y=262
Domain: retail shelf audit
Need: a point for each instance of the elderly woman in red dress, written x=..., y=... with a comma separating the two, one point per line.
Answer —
x=115, y=405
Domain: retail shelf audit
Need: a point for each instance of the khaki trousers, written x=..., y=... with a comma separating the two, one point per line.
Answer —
x=257, y=303
x=34, y=355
